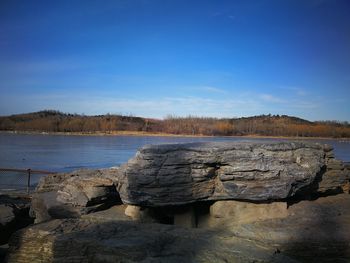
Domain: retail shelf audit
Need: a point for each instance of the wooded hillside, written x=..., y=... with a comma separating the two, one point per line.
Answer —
x=265, y=125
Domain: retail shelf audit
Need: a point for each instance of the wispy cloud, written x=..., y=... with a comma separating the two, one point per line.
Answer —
x=271, y=98
x=240, y=104
x=211, y=89
x=147, y=107
x=225, y=14
x=296, y=90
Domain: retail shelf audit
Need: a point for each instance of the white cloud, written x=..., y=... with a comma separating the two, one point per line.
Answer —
x=157, y=107
x=211, y=89
x=271, y=98
x=297, y=91
x=236, y=105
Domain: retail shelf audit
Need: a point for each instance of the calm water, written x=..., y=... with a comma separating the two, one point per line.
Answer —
x=67, y=153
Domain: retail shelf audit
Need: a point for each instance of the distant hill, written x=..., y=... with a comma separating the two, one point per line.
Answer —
x=263, y=125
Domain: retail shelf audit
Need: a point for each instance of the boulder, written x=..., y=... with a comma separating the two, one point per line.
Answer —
x=73, y=194
x=44, y=207
x=173, y=174
x=86, y=191
x=335, y=178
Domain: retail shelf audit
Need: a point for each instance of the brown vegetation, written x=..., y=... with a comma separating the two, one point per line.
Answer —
x=264, y=125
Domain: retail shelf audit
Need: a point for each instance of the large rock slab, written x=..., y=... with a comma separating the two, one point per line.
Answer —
x=173, y=174
x=82, y=240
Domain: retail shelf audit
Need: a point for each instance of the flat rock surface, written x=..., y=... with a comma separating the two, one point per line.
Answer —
x=81, y=240
x=174, y=174
x=308, y=231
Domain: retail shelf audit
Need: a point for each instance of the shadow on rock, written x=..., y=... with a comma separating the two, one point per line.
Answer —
x=14, y=215
x=77, y=240
x=319, y=230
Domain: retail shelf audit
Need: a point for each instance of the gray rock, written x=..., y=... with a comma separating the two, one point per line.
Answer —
x=86, y=191
x=173, y=174
x=44, y=207
x=334, y=179
x=81, y=240
x=309, y=230
x=73, y=194
x=14, y=214
x=231, y=212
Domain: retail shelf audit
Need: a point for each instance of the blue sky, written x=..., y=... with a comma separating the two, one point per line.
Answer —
x=153, y=58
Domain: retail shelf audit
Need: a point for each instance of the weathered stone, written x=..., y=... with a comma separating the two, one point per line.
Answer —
x=80, y=191
x=309, y=230
x=333, y=180
x=14, y=214
x=73, y=194
x=114, y=213
x=45, y=207
x=53, y=182
x=333, y=164
x=238, y=212
x=81, y=240
x=174, y=174
x=316, y=230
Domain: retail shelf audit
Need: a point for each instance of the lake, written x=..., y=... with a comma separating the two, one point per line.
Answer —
x=61, y=153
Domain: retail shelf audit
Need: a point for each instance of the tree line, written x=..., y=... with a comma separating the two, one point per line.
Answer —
x=264, y=125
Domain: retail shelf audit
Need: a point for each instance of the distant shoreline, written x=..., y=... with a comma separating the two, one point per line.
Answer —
x=154, y=134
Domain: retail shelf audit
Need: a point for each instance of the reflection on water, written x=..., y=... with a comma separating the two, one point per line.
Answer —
x=66, y=153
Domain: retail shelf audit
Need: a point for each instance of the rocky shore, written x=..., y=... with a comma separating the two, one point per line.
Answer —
x=197, y=202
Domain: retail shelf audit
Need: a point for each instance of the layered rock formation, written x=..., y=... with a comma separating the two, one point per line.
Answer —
x=183, y=173
x=73, y=194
